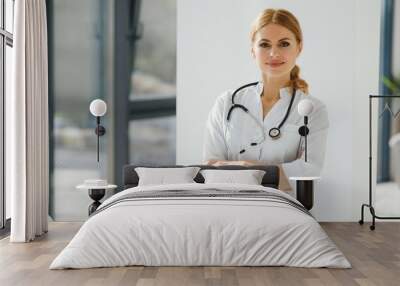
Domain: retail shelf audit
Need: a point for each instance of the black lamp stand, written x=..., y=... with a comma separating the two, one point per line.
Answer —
x=100, y=131
x=303, y=131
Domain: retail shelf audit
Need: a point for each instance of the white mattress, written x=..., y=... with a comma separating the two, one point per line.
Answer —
x=200, y=231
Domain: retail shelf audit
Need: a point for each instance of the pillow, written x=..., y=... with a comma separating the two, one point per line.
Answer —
x=162, y=176
x=249, y=177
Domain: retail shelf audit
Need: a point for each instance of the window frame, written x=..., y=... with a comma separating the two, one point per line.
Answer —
x=6, y=39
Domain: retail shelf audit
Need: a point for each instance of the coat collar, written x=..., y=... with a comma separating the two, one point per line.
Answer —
x=284, y=92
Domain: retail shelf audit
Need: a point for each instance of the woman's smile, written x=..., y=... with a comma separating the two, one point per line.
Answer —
x=275, y=64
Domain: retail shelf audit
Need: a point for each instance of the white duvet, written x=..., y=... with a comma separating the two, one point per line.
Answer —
x=200, y=231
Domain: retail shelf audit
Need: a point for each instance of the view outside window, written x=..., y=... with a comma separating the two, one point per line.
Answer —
x=154, y=72
x=390, y=78
x=77, y=41
x=152, y=141
x=81, y=59
x=9, y=12
x=387, y=195
x=8, y=81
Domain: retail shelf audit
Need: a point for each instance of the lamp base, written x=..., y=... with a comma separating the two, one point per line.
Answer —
x=96, y=195
x=305, y=193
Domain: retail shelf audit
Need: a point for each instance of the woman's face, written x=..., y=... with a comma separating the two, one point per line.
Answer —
x=275, y=50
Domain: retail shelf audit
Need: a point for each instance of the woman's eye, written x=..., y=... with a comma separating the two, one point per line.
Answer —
x=285, y=44
x=264, y=45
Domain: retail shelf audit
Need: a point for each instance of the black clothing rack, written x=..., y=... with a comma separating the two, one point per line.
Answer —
x=369, y=205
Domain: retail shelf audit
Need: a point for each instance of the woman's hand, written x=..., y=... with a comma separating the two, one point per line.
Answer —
x=211, y=162
x=222, y=163
x=236, y=163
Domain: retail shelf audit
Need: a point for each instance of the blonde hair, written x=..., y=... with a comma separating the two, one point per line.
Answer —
x=288, y=20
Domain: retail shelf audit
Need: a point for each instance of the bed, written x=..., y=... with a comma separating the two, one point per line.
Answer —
x=201, y=224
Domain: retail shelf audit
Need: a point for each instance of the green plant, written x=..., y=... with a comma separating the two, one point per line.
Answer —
x=392, y=84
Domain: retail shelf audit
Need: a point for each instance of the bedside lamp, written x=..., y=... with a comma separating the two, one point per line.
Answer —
x=98, y=108
x=305, y=184
x=305, y=107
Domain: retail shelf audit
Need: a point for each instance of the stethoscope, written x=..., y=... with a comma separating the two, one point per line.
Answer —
x=274, y=132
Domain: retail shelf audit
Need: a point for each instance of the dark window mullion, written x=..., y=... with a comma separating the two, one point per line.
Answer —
x=9, y=42
x=124, y=42
x=152, y=108
x=6, y=33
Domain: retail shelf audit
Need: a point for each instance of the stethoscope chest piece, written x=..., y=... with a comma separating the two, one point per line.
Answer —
x=274, y=133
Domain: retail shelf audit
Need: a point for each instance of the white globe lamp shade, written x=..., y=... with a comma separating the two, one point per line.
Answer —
x=98, y=107
x=305, y=107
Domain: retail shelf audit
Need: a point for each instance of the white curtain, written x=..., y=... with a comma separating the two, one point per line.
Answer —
x=28, y=123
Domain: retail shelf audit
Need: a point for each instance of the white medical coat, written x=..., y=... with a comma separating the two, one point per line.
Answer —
x=224, y=140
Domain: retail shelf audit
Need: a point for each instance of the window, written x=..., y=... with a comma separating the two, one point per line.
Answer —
x=115, y=51
x=152, y=129
x=6, y=43
x=390, y=85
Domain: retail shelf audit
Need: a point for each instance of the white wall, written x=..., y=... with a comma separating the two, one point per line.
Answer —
x=340, y=61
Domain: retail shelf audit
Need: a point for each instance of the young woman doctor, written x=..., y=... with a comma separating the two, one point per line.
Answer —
x=259, y=123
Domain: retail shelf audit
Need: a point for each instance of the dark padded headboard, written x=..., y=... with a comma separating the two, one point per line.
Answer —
x=271, y=178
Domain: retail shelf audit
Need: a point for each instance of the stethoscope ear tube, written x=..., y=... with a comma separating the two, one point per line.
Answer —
x=236, y=106
x=275, y=132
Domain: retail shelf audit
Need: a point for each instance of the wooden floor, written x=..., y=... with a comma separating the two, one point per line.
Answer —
x=374, y=255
